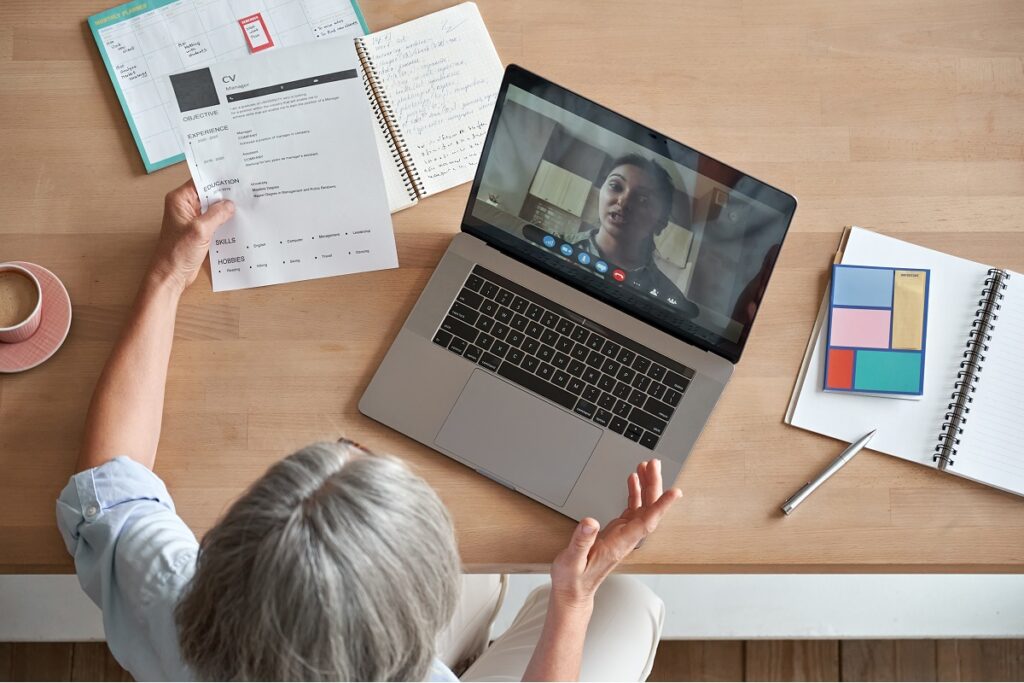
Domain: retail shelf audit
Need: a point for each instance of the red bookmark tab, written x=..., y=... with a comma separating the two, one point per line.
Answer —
x=256, y=33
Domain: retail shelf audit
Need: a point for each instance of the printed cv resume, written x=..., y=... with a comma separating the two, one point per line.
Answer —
x=287, y=136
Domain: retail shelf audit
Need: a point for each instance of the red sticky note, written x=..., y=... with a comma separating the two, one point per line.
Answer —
x=256, y=33
x=840, y=369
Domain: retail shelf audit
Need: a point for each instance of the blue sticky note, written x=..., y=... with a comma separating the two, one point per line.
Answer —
x=862, y=286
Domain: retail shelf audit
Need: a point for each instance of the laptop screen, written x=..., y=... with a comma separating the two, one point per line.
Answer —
x=640, y=221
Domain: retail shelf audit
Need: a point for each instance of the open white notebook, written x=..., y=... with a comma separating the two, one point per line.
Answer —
x=432, y=83
x=970, y=420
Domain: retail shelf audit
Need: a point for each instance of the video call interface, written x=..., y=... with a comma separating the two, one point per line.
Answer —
x=697, y=249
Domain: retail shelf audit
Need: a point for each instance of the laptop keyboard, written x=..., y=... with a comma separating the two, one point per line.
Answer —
x=539, y=345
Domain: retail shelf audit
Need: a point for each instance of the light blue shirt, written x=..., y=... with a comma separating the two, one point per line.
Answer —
x=134, y=557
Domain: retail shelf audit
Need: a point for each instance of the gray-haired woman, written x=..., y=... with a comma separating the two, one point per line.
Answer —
x=335, y=565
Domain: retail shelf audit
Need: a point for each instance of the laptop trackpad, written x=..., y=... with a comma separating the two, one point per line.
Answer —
x=518, y=437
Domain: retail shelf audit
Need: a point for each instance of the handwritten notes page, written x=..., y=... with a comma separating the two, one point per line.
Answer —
x=441, y=75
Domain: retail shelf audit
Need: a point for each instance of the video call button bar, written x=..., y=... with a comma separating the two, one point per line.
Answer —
x=583, y=258
x=292, y=85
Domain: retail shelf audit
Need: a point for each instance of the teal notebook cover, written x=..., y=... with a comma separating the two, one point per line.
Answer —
x=112, y=17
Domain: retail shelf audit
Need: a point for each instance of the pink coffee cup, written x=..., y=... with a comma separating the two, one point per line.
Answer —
x=21, y=303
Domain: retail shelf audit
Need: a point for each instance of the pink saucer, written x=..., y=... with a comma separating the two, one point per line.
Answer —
x=53, y=327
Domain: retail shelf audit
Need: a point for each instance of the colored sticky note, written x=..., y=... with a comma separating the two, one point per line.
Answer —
x=908, y=309
x=887, y=371
x=254, y=28
x=860, y=327
x=840, y=369
x=862, y=286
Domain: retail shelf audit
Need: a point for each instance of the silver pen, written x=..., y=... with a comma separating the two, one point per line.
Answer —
x=844, y=457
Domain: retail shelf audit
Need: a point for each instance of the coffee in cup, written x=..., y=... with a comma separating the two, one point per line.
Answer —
x=20, y=303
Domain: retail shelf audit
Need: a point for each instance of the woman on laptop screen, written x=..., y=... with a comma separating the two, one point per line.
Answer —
x=633, y=208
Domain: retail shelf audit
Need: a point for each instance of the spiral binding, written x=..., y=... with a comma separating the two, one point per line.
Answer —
x=970, y=367
x=383, y=113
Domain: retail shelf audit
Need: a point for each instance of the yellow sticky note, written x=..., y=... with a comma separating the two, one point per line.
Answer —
x=908, y=302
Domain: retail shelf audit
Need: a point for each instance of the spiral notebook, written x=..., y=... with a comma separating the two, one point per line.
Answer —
x=969, y=419
x=432, y=83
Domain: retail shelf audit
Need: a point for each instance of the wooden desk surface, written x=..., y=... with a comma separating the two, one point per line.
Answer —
x=904, y=116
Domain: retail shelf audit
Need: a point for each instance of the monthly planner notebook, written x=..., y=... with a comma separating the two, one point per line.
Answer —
x=432, y=83
x=969, y=420
x=143, y=41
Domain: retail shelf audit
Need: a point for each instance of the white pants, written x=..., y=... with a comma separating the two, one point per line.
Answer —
x=621, y=640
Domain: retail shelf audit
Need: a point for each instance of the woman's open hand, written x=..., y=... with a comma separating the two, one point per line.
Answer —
x=185, y=235
x=591, y=556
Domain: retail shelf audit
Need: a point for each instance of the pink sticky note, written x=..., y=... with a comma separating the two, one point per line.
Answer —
x=860, y=327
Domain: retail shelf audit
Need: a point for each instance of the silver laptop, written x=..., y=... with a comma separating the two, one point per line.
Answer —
x=590, y=312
